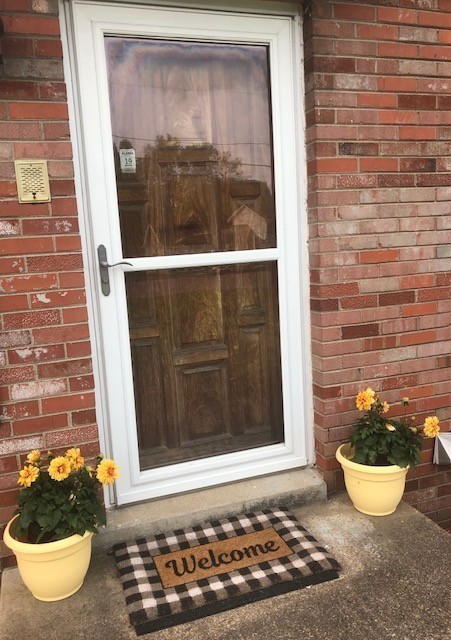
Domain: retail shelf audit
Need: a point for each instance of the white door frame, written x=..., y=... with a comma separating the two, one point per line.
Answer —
x=95, y=167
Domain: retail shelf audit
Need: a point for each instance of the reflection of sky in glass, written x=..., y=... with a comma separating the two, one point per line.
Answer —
x=199, y=93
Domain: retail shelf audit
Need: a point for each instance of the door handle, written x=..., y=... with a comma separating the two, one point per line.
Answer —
x=104, y=266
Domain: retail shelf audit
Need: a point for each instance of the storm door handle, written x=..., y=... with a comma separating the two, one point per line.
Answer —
x=104, y=266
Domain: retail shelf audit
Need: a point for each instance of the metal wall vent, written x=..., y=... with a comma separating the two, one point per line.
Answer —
x=32, y=180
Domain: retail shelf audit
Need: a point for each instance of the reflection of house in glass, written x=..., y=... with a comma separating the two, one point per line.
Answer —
x=191, y=198
x=252, y=222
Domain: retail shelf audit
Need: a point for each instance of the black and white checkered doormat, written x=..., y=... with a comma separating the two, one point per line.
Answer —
x=189, y=573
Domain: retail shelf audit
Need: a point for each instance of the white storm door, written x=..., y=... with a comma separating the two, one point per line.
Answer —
x=189, y=132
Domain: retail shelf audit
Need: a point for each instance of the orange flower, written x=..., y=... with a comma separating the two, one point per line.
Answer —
x=34, y=456
x=431, y=427
x=59, y=468
x=107, y=471
x=390, y=427
x=28, y=475
x=365, y=399
x=75, y=459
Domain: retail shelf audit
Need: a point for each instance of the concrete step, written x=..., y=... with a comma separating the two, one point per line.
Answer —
x=395, y=583
x=290, y=489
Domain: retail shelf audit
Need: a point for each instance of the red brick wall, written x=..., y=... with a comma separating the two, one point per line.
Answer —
x=46, y=385
x=379, y=137
x=378, y=98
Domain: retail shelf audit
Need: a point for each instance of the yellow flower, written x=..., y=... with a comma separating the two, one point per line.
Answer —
x=34, y=456
x=59, y=468
x=385, y=407
x=405, y=401
x=75, y=459
x=431, y=428
x=107, y=471
x=365, y=399
x=28, y=475
x=390, y=427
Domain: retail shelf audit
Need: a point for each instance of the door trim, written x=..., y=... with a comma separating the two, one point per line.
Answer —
x=243, y=464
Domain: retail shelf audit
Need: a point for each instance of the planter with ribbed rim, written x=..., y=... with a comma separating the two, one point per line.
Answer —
x=376, y=491
x=51, y=570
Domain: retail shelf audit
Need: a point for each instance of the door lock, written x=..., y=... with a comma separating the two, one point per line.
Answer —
x=104, y=266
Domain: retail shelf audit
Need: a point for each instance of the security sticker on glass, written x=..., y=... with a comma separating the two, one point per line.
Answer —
x=128, y=160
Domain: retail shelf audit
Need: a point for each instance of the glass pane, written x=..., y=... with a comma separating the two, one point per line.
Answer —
x=206, y=361
x=192, y=146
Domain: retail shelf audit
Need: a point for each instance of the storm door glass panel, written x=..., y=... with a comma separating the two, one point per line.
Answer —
x=192, y=145
x=206, y=360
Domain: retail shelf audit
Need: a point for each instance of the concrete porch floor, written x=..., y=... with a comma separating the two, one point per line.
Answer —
x=395, y=583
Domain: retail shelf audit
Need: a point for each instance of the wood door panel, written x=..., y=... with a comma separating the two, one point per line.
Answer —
x=203, y=403
x=196, y=308
x=151, y=414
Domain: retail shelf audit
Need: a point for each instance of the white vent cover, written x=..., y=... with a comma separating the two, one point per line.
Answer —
x=32, y=180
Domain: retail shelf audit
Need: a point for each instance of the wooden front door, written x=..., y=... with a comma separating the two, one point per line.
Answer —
x=191, y=174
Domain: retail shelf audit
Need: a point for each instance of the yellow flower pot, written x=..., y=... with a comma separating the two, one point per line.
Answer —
x=52, y=570
x=376, y=491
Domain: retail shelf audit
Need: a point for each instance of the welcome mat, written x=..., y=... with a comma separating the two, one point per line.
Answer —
x=176, y=577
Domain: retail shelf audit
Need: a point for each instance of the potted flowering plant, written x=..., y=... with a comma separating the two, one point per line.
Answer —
x=59, y=510
x=379, y=453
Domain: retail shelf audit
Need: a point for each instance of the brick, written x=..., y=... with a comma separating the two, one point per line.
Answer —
x=16, y=374
x=396, y=298
x=58, y=298
x=52, y=91
x=384, y=255
x=397, y=50
x=417, y=133
x=40, y=424
x=11, y=265
x=43, y=149
x=359, y=331
x=48, y=48
x=358, y=148
x=61, y=334
x=56, y=131
x=326, y=165
x=378, y=164
x=395, y=180
x=354, y=12
x=38, y=111
x=417, y=101
x=418, y=337
x=68, y=403
x=31, y=319
x=13, y=303
x=81, y=383
x=433, y=19
x=33, y=282
x=59, y=262
x=16, y=131
x=73, y=315
x=21, y=445
x=36, y=354
x=47, y=226
x=21, y=410
x=358, y=302
x=15, y=339
x=68, y=243
x=78, y=349
x=404, y=16
x=377, y=32
x=417, y=281
x=18, y=90
x=65, y=368
x=38, y=389
x=377, y=100
x=30, y=24
x=424, y=308
x=81, y=418
x=417, y=164
x=396, y=84
x=33, y=68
